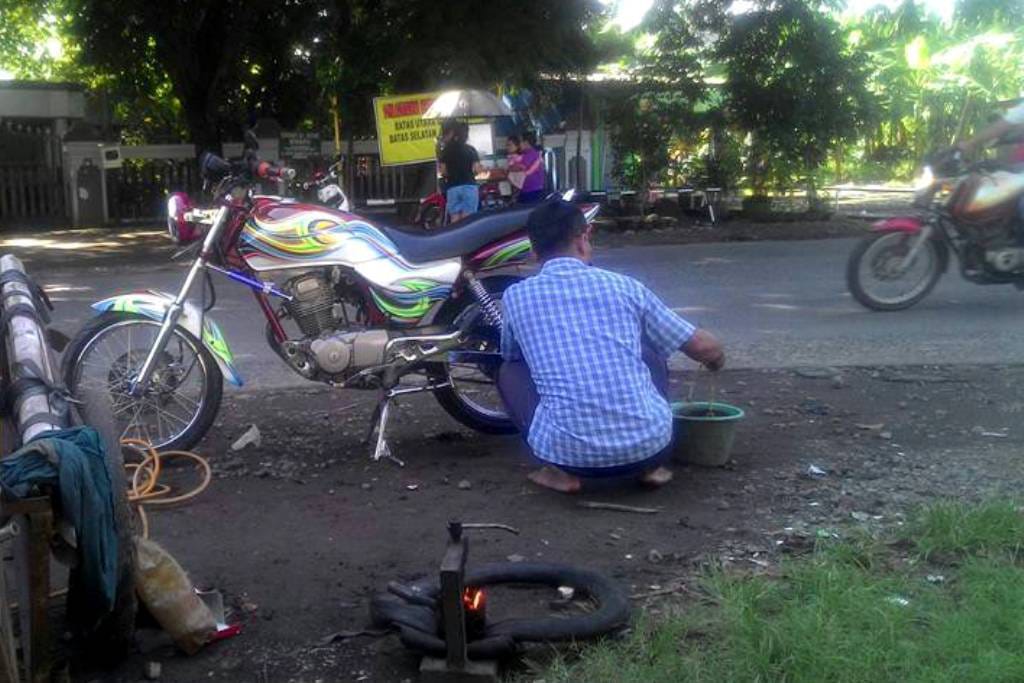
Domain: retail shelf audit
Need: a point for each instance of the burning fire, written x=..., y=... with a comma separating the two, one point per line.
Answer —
x=474, y=599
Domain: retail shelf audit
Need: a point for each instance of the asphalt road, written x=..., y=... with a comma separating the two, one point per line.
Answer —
x=775, y=304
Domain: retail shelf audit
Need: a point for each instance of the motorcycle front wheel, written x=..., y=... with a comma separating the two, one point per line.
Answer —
x=472, y=395
x=879, y=278
x=184, y=393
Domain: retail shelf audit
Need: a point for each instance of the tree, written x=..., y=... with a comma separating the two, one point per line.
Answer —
x=795, y=86
x=221, y=59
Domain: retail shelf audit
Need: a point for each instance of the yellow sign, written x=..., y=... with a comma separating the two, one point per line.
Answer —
x=403, y=135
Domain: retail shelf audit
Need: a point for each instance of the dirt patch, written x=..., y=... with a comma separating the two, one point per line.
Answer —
x=299, y=532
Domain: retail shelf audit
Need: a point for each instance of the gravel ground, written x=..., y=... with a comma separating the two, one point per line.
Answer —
x=301, y=530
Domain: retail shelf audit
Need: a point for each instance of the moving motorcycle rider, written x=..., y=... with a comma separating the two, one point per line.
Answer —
x=1010, y=125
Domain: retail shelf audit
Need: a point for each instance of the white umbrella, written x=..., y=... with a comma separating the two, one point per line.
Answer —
x=455, y=104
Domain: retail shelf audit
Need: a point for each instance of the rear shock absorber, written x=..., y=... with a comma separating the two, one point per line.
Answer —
x=489, y=307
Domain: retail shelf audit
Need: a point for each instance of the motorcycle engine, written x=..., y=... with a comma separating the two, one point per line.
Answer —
x=330, y=349
x=337, y=353
x=1009, y=260
x=312, y=304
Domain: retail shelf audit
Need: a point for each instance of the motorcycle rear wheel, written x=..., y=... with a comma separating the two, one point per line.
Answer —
x=456, y=400
x=874, y=261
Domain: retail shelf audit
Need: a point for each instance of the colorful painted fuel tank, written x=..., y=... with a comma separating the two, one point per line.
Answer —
x=287, y=236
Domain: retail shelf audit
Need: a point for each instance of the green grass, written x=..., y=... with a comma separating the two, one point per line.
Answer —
x=855, y=610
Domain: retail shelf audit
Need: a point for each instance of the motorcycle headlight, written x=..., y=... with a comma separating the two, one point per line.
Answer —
x=924, y=187
x=925, y=180
x=181, y=230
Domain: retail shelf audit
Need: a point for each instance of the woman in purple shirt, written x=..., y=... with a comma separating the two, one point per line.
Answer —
x=533, y=162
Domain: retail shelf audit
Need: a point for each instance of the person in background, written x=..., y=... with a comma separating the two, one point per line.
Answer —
x=532, y=161
x=459, y=164
x=585, y=372
x=514, y=169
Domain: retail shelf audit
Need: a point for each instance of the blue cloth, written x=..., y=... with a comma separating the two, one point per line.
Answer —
x=581, y=330
x=74, y=461
x=463, y=199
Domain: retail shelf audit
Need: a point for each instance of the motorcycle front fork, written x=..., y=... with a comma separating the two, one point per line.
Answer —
x=140, y=382
x=915, y=248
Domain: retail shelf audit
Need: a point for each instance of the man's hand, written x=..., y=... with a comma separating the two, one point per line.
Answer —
x=705, y=349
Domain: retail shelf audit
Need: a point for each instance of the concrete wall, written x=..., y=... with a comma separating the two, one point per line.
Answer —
x=20, y=99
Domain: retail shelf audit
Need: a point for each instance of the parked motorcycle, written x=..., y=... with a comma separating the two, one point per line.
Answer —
x=327, y=185
x=347, y=303
x=970, y=210
x=431, y=213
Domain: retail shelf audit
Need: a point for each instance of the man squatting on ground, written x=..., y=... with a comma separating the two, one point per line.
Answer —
x=585, y=372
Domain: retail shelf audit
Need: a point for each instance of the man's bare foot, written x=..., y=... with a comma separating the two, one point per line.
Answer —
x=657, y=477
x=556, y=480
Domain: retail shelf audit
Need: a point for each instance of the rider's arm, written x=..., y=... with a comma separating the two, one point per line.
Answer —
x=1012, y=122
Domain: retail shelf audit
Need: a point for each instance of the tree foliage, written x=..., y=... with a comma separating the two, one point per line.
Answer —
x=795, y=87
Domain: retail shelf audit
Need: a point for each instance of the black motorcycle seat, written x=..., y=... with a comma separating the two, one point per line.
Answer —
x=457, y=239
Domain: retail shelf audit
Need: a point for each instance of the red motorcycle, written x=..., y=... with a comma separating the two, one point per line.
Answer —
x=970, y=210
x=433, y=209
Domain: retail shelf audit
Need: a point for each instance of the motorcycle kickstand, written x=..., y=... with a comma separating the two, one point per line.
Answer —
x=379, y=422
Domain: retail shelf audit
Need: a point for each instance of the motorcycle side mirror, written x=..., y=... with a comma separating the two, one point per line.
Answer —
x=251, y=141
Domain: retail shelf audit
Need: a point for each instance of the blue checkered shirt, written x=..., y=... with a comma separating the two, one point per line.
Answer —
x=580, y=330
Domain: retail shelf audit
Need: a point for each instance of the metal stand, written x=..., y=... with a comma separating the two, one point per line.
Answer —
x=381, y=415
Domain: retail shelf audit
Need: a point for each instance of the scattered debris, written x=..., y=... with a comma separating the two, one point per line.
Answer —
x=566, y=592
x=812, y=406
x=152, y=671
x=871, y=427
x=935, y=578
x=515, y=558
x=366, y=486
x=654, y=556
x=616, y=507
x=349, y=635
x=885, y=436
x=898, y=600
x=412, y=487
x=251, y=437
x=815, y=472
x=465, y=485
x=860, y=516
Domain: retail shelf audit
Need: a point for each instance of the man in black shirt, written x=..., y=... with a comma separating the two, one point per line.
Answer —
x=459, y=163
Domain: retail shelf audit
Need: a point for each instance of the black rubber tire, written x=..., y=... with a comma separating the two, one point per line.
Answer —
x=418, y=624
x=863, y=298
x=437, y=372
x=214, y=378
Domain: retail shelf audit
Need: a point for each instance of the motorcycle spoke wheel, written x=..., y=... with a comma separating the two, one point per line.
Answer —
x=887, y=279
x=175, y=398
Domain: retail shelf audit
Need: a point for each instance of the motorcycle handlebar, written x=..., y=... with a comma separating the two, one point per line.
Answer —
x=213, y=165
x=265, y=169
